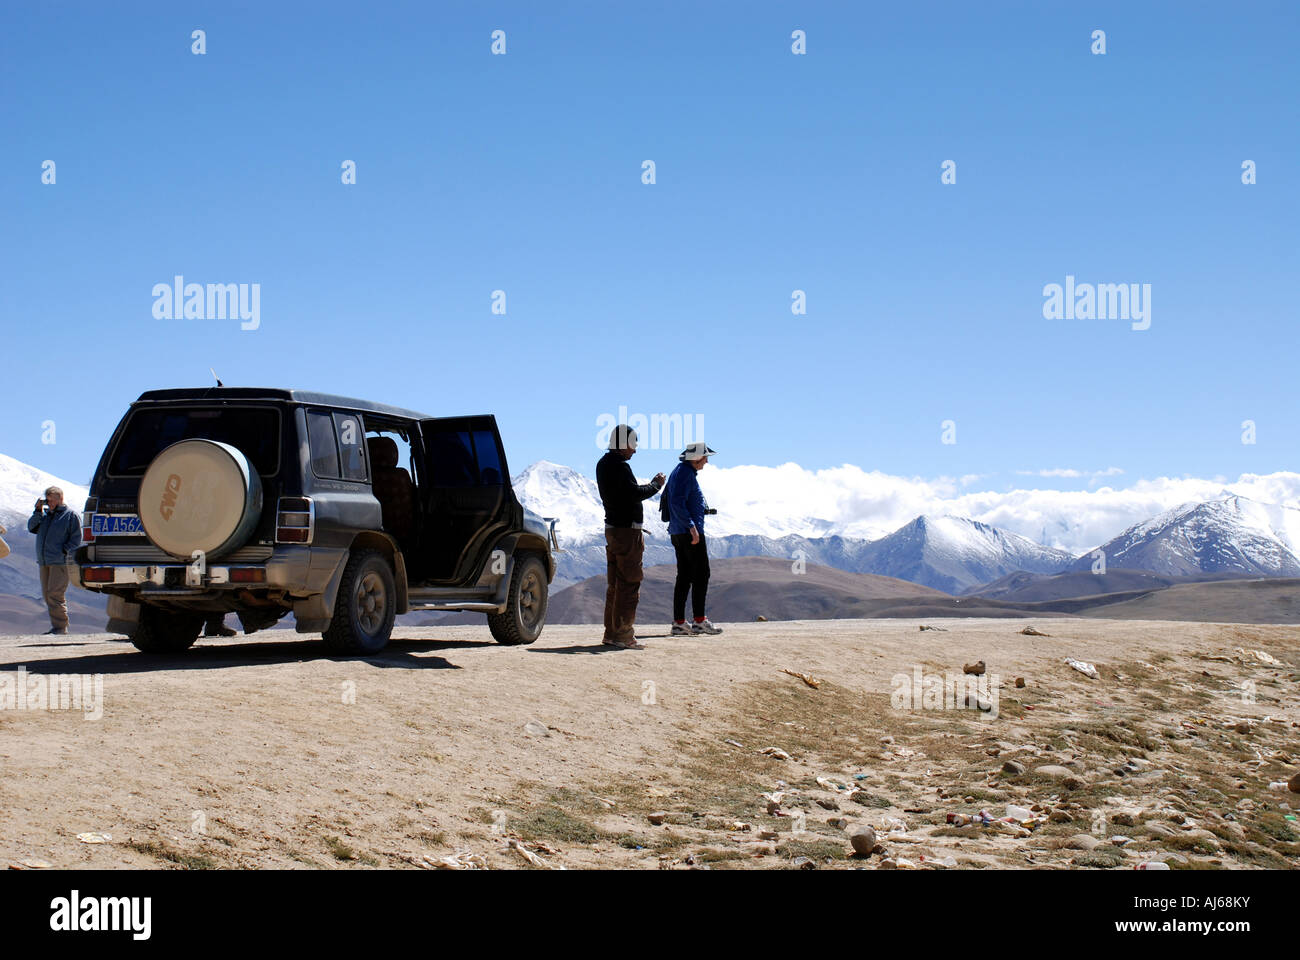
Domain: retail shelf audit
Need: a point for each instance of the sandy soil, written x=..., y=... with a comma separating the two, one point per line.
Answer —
x=258, y=752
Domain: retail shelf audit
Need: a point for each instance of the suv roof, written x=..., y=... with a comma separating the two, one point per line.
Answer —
x=277, y=393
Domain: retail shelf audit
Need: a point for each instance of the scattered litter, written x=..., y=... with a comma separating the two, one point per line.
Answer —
x=1031, y=632
x=776, y=752
x=735, y=743
x=1087, y=669
x=1279, y=786
x=1152, y=865
x=518, y=847
x=826, y=784
x=460, y=860
x=948, y=861
x=94, y=837
x=1261, y=656
x=966, y=819
x=806, y=678
x=760, y=619
x=536, y=729
x=45, y=864
x=926, y=626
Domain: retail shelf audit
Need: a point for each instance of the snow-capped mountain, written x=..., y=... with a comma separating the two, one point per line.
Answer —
x=955, y=553
x=21, y=485
x=1229, y=535
x=551, y=490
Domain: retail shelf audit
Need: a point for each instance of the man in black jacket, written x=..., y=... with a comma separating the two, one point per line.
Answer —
x=624, y=541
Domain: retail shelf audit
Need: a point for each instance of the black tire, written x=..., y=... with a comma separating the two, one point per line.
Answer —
x=526, y=602
x=166, y=631
x=366, y=605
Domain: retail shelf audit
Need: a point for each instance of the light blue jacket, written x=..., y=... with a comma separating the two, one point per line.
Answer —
x=58, y=534
x=685, y=500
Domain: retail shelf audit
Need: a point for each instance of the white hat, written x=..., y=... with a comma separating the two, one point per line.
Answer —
x=697, y=451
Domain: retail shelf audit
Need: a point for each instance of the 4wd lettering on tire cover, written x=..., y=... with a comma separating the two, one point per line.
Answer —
x=170, y=496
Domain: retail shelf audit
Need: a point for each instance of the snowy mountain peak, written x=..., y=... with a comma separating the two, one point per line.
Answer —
x=1231, y=534
x=553, y=490
x=954, y=553
x=21, y=484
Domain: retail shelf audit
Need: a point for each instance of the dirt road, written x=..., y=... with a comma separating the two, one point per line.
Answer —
x=264, y=751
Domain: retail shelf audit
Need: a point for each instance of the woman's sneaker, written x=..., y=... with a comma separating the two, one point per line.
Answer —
x=681, y=630
x=703, y=626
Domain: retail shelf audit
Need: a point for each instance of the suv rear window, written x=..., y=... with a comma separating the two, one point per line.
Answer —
x=253, y=430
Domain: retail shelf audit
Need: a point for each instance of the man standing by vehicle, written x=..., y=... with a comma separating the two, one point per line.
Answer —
x=58, y=534
x=686, y=529
x=624, y=540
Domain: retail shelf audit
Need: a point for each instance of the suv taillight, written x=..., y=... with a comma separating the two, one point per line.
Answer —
x=88, y=519
x=295, y=520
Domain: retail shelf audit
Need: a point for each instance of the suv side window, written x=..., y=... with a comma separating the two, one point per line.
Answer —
x=324, y=448
x=451, y=457
x=352, y=445
x=489, y=462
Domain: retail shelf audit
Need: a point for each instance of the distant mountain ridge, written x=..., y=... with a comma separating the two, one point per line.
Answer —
x=953, y=554
x=945, y=553
x=1232, y=535
x=1227, y=537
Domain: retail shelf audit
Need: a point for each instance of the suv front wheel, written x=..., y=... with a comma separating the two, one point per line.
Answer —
x=525, y=612
x=366, y=605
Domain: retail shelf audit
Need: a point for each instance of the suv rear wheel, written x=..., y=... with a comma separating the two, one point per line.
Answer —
x=166, y=631
x=366, y=605
x=525, y=612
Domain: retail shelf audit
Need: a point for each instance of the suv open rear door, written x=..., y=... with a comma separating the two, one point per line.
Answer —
x=464, y=494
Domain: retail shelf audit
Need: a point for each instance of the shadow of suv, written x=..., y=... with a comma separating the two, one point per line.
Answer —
x=265, y=502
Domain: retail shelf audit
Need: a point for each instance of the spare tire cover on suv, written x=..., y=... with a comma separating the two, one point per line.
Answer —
x=200, y=495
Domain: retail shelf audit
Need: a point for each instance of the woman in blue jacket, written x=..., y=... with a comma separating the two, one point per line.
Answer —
x=686, y=529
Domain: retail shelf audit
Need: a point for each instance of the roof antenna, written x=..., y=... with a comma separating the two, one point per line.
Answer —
x=215, y=377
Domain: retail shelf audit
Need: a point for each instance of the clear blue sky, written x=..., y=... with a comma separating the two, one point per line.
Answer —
x=775, y=172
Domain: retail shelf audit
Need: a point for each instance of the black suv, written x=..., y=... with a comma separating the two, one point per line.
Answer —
x=266, y=501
